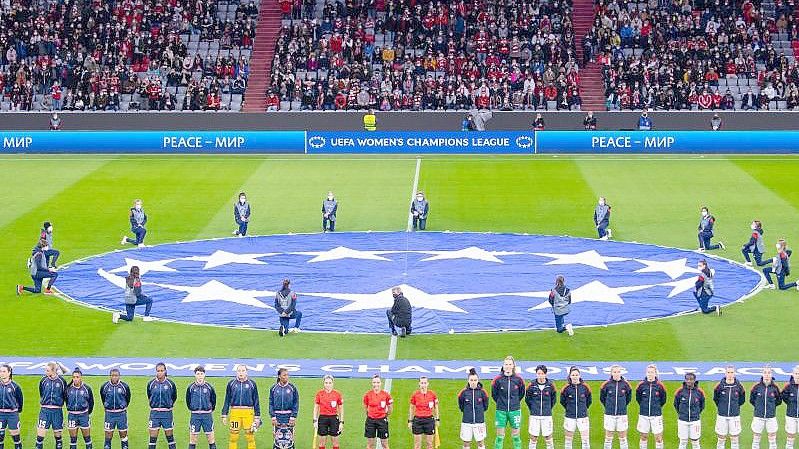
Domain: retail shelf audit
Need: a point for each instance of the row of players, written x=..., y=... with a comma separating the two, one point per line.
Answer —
x=241, y=409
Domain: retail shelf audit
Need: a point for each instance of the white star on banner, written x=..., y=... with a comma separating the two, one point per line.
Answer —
x=219, y=258
x=471, y=252
x=683, y=285
x=217, y=291
x=673, y=268
x=145, y=266
x=596, y=291
x=342, y=252
x=384, y=300
x=590, y=258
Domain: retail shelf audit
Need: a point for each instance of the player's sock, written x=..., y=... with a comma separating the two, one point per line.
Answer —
x=532, y=444
x=250, y=440
x=550, y=443
x=499, y=442
x=59, y=443
x=17, y=441
x=683, y=444
x=107, y=443
x=623, y=443
x=586, y=441
x=212, y=445
x=721, y=444
x=643, y=444
x=233, y=441
x=88, y=442
x=658, y=445
x=567, y=444
x=789, y=442
x=192, y=446
x=696, y=444
x=170, y=441
x=153, y=441
x=517, y=441
x=756, y=441
x=2, y=438
x=39, y=442
x=73, y=442
x=772, y=442
x=734, y=444
x=124, y=442
x=608, y=443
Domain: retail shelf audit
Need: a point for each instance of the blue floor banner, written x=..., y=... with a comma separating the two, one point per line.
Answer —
x=417, y=142
x=455, y=282
x=397, y=369
x=668, y=142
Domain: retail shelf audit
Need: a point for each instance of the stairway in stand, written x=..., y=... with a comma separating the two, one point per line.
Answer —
x=591, y=86
x=268, y=28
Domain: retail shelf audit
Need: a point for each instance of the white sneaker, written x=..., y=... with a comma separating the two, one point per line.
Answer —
x=610, y=233
x=748, y=264
x=769, y=286
x=115, y=317
x=142, y=245
x=124, y=240
x=148, y=318
x=569, y=330
x=603, y=238
x=235, y=232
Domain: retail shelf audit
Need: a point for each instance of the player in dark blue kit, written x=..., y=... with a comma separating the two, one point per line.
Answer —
x=138, y=223
x=284, y=404
x=115, y=395
x=243, y=407
x=10, y=407
x=706, y=224
x=80, y=404
x=201, y=401
x=53, y=394
x=162, y=394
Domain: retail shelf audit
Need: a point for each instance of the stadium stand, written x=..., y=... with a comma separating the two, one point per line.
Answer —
x=125, y=55
x=696, y=54
x=425, y=55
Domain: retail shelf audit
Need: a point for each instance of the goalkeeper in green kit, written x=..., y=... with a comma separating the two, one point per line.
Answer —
x=508, y=391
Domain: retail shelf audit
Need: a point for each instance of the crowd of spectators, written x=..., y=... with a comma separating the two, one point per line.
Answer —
x=696, y=54
x=425, y=55
x=130, y=54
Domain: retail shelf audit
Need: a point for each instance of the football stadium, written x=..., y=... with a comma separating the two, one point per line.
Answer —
x=321, y=224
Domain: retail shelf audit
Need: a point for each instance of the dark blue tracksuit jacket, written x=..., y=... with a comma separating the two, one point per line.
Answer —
x=473, y=404
x=651, y=397
x=242, y=394
x=541, y=398
x=729, y=398
x=689, y=402
x=284, y=400
x=615, y=395
x=508, y=392
x=53, y=392
x=201, y=398
x=115, y=397
x=765, y=399
x=80, y=400
x=10, y=397
x=576, y=399
x=162, y=394
x=790, y=396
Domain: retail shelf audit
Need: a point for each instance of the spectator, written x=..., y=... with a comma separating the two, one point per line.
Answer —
x=644, y=122
x=55, y=122
x=589, y=122
x=715, y=122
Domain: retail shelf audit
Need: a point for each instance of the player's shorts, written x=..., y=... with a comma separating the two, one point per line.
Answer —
x=241, y=419
x=616, y=423
x=689, y=430
x=728, y=425
x=51, y=418
x=78, y=421
x=502, y=418
x=581, y=424
x=376, y=428
x=161, y=420
x=423, y=426
x=791, y=425
x=648, y=424
x=201, y=422
x=540, y=426
x=473, y=431
x=9, y=421
x=769, y=424
x=328, y=425
x=115, y=420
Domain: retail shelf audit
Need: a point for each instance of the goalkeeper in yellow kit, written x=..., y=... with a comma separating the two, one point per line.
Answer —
x=242, y=408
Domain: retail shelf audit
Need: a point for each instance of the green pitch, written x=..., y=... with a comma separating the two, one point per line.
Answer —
x=655, y=200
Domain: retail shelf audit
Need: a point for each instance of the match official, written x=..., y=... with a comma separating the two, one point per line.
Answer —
x=423, y=414
x=201, y=401
x=328, y=414
x=243, y=407
x=378, y=405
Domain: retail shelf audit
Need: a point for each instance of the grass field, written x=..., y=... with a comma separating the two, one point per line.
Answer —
x=654, y=199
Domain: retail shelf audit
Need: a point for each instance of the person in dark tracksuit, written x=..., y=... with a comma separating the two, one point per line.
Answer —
x=400, y=315
x=507, y=391
x=134, y=297
x=284, y=401
x=602, y=219
x=51, y=253
x=39, y=271
x=704, y=289
x=420, y=208
x=755, y=246
x=765, y=397
x=790, y=396
x=80, y=404
x=651, y=397
x=576, y=399
x=728, y=395
x=286, y=307
x=473, y=404
x=615, y=395
x=162, y=395
x=138, y=223
x=53, y=394
x=706, y=224
x=541, y=398
x=11, y=402
x=241, y=214
x=781, y=267
x=560, y=298
x=201, y=401
x=115, y=395
x=242, y=408
x=689, y=402
x=329, y=210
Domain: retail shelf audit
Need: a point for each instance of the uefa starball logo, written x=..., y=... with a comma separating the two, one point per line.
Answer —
x=460, y=282
x=524, y=141
x=317, y=141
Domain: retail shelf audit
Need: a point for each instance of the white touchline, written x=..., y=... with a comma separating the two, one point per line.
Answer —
x=413, y=192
